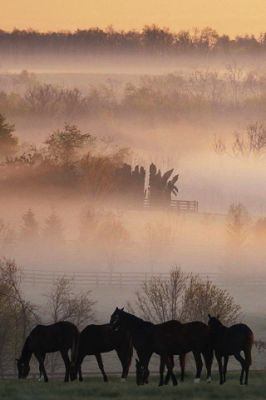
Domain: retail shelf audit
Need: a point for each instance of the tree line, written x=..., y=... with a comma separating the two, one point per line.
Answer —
x=164, y=97
x=152, y=39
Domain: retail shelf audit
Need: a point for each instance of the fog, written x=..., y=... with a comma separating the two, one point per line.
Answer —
x=173, y=114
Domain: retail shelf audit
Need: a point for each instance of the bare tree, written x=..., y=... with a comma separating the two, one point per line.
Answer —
x=183, y=297
x=159, y=300
x=17, y=315
x=237, y=224
x=64, y=304
x=202, y=297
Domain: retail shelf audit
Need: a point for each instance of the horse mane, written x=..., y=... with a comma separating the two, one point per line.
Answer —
x=136, y=319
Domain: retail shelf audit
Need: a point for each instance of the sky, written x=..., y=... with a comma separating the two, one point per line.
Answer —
x=226, y=16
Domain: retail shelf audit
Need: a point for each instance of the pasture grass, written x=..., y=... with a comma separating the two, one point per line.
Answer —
x=95, y=388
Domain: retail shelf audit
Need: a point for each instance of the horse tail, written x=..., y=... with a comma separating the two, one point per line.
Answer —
x=249, y=347
x=74, y=347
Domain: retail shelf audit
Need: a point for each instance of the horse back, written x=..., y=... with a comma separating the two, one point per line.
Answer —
x=54, y=337
x=238, y=337
x=101, y=339
x=181, y=338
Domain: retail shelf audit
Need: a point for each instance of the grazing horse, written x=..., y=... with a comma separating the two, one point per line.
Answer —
x=231, y=341
x=61, y=336
x=166, y=339
x=97, y=339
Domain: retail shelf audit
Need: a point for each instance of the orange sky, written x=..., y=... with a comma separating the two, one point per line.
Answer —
x=226, y=16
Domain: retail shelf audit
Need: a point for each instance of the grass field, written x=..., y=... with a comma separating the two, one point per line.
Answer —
x=96, y=389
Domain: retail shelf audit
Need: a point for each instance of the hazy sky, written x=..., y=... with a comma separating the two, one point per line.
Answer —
x=229, y=16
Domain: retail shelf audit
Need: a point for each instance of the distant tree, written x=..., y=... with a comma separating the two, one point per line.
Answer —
x=237, y=224
x=30, y=227
x=8, y=142
x=62, y=145
x=53, y=229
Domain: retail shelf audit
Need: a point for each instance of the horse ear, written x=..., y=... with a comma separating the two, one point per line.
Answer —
x=122, y=309
x=209, y=315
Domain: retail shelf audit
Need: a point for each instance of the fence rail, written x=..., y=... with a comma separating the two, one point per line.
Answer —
x=189, y=206
x=100, y=278
x=36, y=277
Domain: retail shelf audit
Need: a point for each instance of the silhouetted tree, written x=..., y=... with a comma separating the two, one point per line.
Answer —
x=30, y=227
x=8, y=142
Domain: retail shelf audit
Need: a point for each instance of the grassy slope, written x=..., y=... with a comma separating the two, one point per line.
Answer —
x=95, y=388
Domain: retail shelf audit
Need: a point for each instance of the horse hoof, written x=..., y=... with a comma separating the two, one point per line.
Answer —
x=197, y=380
x=208, y=380
x=123, y=380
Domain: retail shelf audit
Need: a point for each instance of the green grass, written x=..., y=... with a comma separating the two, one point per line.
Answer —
x=95, y=388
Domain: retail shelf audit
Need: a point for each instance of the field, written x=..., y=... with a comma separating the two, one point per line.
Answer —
x=95, y=388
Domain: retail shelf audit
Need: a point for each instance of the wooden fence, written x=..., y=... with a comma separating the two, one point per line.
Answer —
x=187, y=206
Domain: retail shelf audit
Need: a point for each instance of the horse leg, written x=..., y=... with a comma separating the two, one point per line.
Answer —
x=199, y=365
x=41, y=358
x=208, y=358
x=247, y=353
x=168, y=376
x=169, y=363
x=226, y=358
x=125, y=364
x=100, y=364
x=220, y=366
x=182, y=363
x=66, y=360
x=243, y=366
x=80, y=373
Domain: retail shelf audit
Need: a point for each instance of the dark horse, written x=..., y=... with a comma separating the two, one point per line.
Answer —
x=61, y=336
x=231, y=341
x=97, y=339
x=165, y=339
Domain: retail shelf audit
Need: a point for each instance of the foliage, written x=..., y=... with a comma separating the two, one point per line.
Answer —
x=237, y=223
x=17, y=315
x=64, y=304
x=183, y=297
x=8, y=142
x=62, y=145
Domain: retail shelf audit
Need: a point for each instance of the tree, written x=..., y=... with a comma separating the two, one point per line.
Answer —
x=203, y=295
x=237, y=223
x=30, y=227
x=17, y=315
x=64, y=304
x=160, y=300
x=62, y=146
x=183, y=297
x=8, y=142
x=53, y=230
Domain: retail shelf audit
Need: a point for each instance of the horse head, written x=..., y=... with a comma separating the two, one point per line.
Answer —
x=23, y=368
x=116, y=318
x=214, y=322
